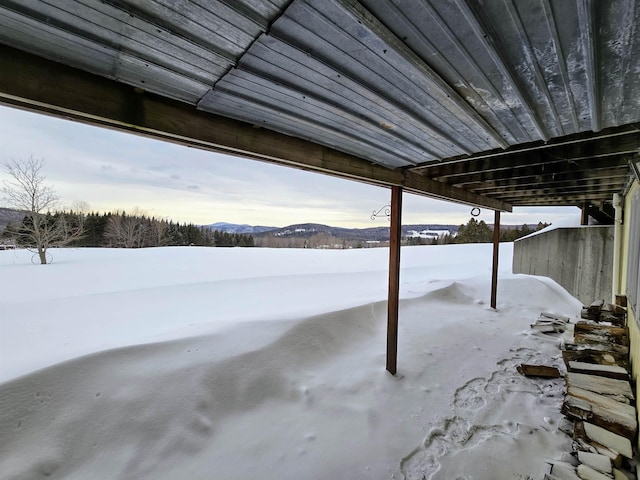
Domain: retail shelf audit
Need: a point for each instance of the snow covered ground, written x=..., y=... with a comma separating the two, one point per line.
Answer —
x=213, y=363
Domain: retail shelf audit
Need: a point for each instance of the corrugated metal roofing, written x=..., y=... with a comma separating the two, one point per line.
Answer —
x=405, y=84
x=176, y=49
x=334, y=55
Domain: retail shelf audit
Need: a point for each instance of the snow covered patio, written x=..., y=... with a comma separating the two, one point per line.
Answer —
x=242, y=363
x=181, y=363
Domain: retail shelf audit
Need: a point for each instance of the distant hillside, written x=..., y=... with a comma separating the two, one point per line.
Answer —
x=238, y=228
x=8, y=216
x=315, y=235
x=307, y=230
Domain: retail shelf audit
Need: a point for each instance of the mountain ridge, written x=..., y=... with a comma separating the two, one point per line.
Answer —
x=239, y=227
x=305, y=230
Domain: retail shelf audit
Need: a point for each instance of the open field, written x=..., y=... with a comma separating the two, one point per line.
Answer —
x=213, y=363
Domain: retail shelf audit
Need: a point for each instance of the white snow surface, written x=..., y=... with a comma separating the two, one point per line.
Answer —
x=214, y=363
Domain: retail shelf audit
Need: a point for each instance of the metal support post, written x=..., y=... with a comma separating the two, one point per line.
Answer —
x=494, y=272
x=395, y=236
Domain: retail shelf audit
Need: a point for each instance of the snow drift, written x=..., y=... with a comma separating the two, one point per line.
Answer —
x=233, y=364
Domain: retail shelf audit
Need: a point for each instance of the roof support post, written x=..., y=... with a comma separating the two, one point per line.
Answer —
x=617, y=246
x=494, y=271
x=584, y=216
x=395, y=236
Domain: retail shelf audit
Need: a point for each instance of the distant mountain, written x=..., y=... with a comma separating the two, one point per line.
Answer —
x=306, y=230
x=369, y=234
x=239, y=228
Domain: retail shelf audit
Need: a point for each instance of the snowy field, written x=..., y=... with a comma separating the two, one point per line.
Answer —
x=223, y=364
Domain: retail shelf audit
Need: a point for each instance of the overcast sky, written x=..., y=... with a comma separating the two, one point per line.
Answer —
x=115, y=171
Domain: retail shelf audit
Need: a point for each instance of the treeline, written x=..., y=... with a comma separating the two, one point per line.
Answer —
x=121, y=230
x=442, y=240
x=473, y=232
x=477, y=232
x=319, y=240
x=480, y=232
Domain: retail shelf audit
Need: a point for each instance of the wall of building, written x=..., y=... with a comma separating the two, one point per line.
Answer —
x=580, y=259
x=634, y=349
x=634, y=327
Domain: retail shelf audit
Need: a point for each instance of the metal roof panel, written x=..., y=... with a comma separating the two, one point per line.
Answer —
x=315, y=82
x=246, y=109
x=343, y=35
x=441, y=84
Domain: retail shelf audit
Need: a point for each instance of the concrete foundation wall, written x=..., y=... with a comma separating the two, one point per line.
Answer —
x=580, y=259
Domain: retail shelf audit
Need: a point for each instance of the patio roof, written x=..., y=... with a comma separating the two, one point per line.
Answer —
x=498, y=103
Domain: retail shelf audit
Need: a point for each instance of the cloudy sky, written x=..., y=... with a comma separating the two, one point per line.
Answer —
x=117, y=171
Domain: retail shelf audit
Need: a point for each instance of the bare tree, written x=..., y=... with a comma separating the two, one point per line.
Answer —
x=126, y=231
x=158, y=233
x=26, y=190
x=81, y=209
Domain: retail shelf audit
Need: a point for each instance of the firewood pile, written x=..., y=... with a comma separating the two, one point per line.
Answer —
x=599, y=404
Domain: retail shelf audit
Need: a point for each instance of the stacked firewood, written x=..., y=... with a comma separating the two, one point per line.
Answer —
x=550, y=323
x=599, y=401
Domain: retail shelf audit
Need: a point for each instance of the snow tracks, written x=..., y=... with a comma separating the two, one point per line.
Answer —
x=486, y=410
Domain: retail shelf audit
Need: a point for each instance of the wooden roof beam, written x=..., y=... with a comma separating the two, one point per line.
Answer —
x=585, y=185
x=599, y=174
x=545, y=190
x=524, y=170
x=621, y=140
x=559, y=199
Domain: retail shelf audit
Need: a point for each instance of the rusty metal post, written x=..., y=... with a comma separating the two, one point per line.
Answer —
x=494, y=272
x=395, y=237
x=584, y=215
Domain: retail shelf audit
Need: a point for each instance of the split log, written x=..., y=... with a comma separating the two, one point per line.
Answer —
x=622, y=349
x=576, y=408
x=584, y=313
x=615, y=321
x=601, y=357
x=550, y=321
x=593, y=447
x=549, y=325
x=585, y=472
x=616, y=311
x=615, y=457
x=563, y=471
x=595, y=307
x=566, y=426
x=582, y=410
x=600, y=329
x=616, y=417
x=623, y=475
x=617, y=335
x=619, y=390
x=555, y=316
x=604, y=437
x=604, y=339
x=538, y=371
x=616, y=317
x=598, y=462
x=548, y=328
x=621, y=300
x=609, y=371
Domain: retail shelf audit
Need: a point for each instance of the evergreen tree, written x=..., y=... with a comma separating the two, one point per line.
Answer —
x=474, y=232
